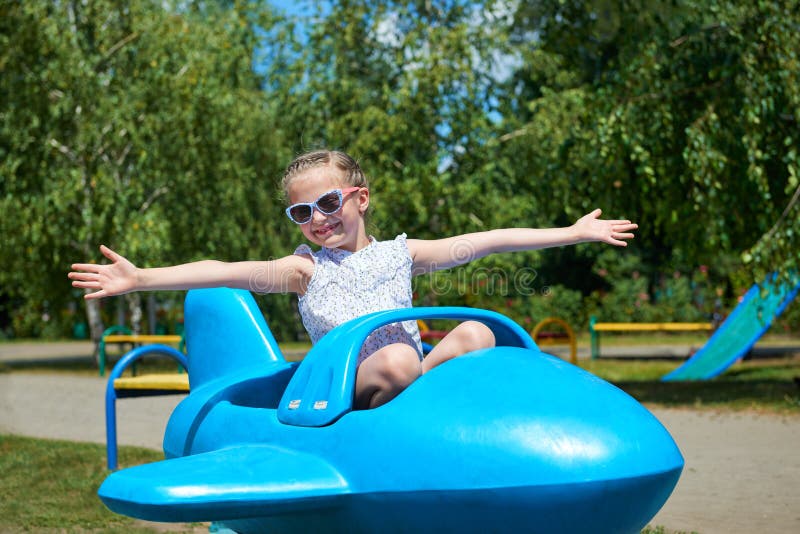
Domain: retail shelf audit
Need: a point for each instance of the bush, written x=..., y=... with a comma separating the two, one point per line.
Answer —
x=667, y=295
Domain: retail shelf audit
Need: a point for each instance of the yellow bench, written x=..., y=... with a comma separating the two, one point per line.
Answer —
x=110, y=336
x=155, y=384
x=595, y=328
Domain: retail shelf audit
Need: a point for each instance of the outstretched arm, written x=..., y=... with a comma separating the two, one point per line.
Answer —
x=433, y=255
x=284, y=275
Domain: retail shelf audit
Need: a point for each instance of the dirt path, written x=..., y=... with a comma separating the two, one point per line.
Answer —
x=71, y=407
x=742, y=471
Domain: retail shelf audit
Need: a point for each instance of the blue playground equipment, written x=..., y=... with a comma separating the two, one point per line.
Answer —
x=118, y=388
x=740, y=331
x=501, y=440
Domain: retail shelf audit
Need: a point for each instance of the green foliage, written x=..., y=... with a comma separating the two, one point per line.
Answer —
x=404, y=87
x=556, y=301
x=142, y=125
x=682, y=115
x=676, y=296
x=136, y=124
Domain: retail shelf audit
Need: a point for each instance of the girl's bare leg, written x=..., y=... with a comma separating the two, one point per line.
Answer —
x=386, y=373
x=466, y=337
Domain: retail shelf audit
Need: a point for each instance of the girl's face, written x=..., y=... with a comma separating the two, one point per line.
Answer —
x=344, y=229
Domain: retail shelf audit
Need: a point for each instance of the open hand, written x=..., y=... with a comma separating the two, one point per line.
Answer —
x=116, y=278
x=591, y=227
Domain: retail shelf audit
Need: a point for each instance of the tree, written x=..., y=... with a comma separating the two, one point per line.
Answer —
x=143, y=125
x=134, y=124
x=410, y=89
x=682, y=114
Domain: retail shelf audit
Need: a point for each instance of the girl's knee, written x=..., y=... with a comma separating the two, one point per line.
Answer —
x=476, y=335
x=400, y=365
x=466, y=337
x=386, y=373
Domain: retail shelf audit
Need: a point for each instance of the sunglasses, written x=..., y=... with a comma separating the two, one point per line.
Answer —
x=328, y=203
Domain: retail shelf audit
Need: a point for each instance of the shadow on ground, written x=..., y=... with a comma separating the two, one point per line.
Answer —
x=772, y=385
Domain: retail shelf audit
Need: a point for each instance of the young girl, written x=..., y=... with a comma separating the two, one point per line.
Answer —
x=351, y=274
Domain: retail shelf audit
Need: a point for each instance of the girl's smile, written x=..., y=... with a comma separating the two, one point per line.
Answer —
x=326, y=229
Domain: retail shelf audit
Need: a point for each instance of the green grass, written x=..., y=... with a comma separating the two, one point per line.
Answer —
x=770, y=385
x=51, y=486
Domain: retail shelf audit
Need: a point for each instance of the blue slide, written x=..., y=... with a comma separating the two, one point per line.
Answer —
x=740, y=331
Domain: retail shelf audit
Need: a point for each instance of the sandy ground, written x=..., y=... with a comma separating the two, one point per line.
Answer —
x=742, y=471
x=73, y=407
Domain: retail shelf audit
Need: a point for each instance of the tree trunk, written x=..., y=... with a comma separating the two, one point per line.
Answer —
x=95, y=321
x=135, y=307
x=151, y=313
x=120, y=304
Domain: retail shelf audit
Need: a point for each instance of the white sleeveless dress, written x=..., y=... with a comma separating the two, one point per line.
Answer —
x=346, y=285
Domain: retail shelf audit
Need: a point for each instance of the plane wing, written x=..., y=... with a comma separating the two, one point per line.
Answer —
x=235, y=482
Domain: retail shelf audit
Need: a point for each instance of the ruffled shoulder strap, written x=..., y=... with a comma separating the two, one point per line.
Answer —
x=401, y=245
x=306, y=250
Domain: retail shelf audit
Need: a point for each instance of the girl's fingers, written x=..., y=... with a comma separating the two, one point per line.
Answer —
x=83, y=276
x=88, y=275
x=86, y=285
x=110, y=254
x=95, y=295
x=89, y=267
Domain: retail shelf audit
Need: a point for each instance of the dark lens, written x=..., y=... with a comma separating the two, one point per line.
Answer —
x=329, y=203
x=301, y=213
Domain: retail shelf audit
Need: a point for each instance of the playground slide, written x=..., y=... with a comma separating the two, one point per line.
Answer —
x=740, y=331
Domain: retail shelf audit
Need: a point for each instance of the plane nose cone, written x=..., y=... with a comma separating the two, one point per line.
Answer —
x=553, y=444
x=565, y=423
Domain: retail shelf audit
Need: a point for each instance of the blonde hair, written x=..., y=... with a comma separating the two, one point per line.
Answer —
x=351, y=171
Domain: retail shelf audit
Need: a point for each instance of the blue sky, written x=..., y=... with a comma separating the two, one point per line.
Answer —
x=288, y=6
x=291, y=7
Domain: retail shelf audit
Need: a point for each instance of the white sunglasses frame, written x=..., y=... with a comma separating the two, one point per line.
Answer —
x=314, y=206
